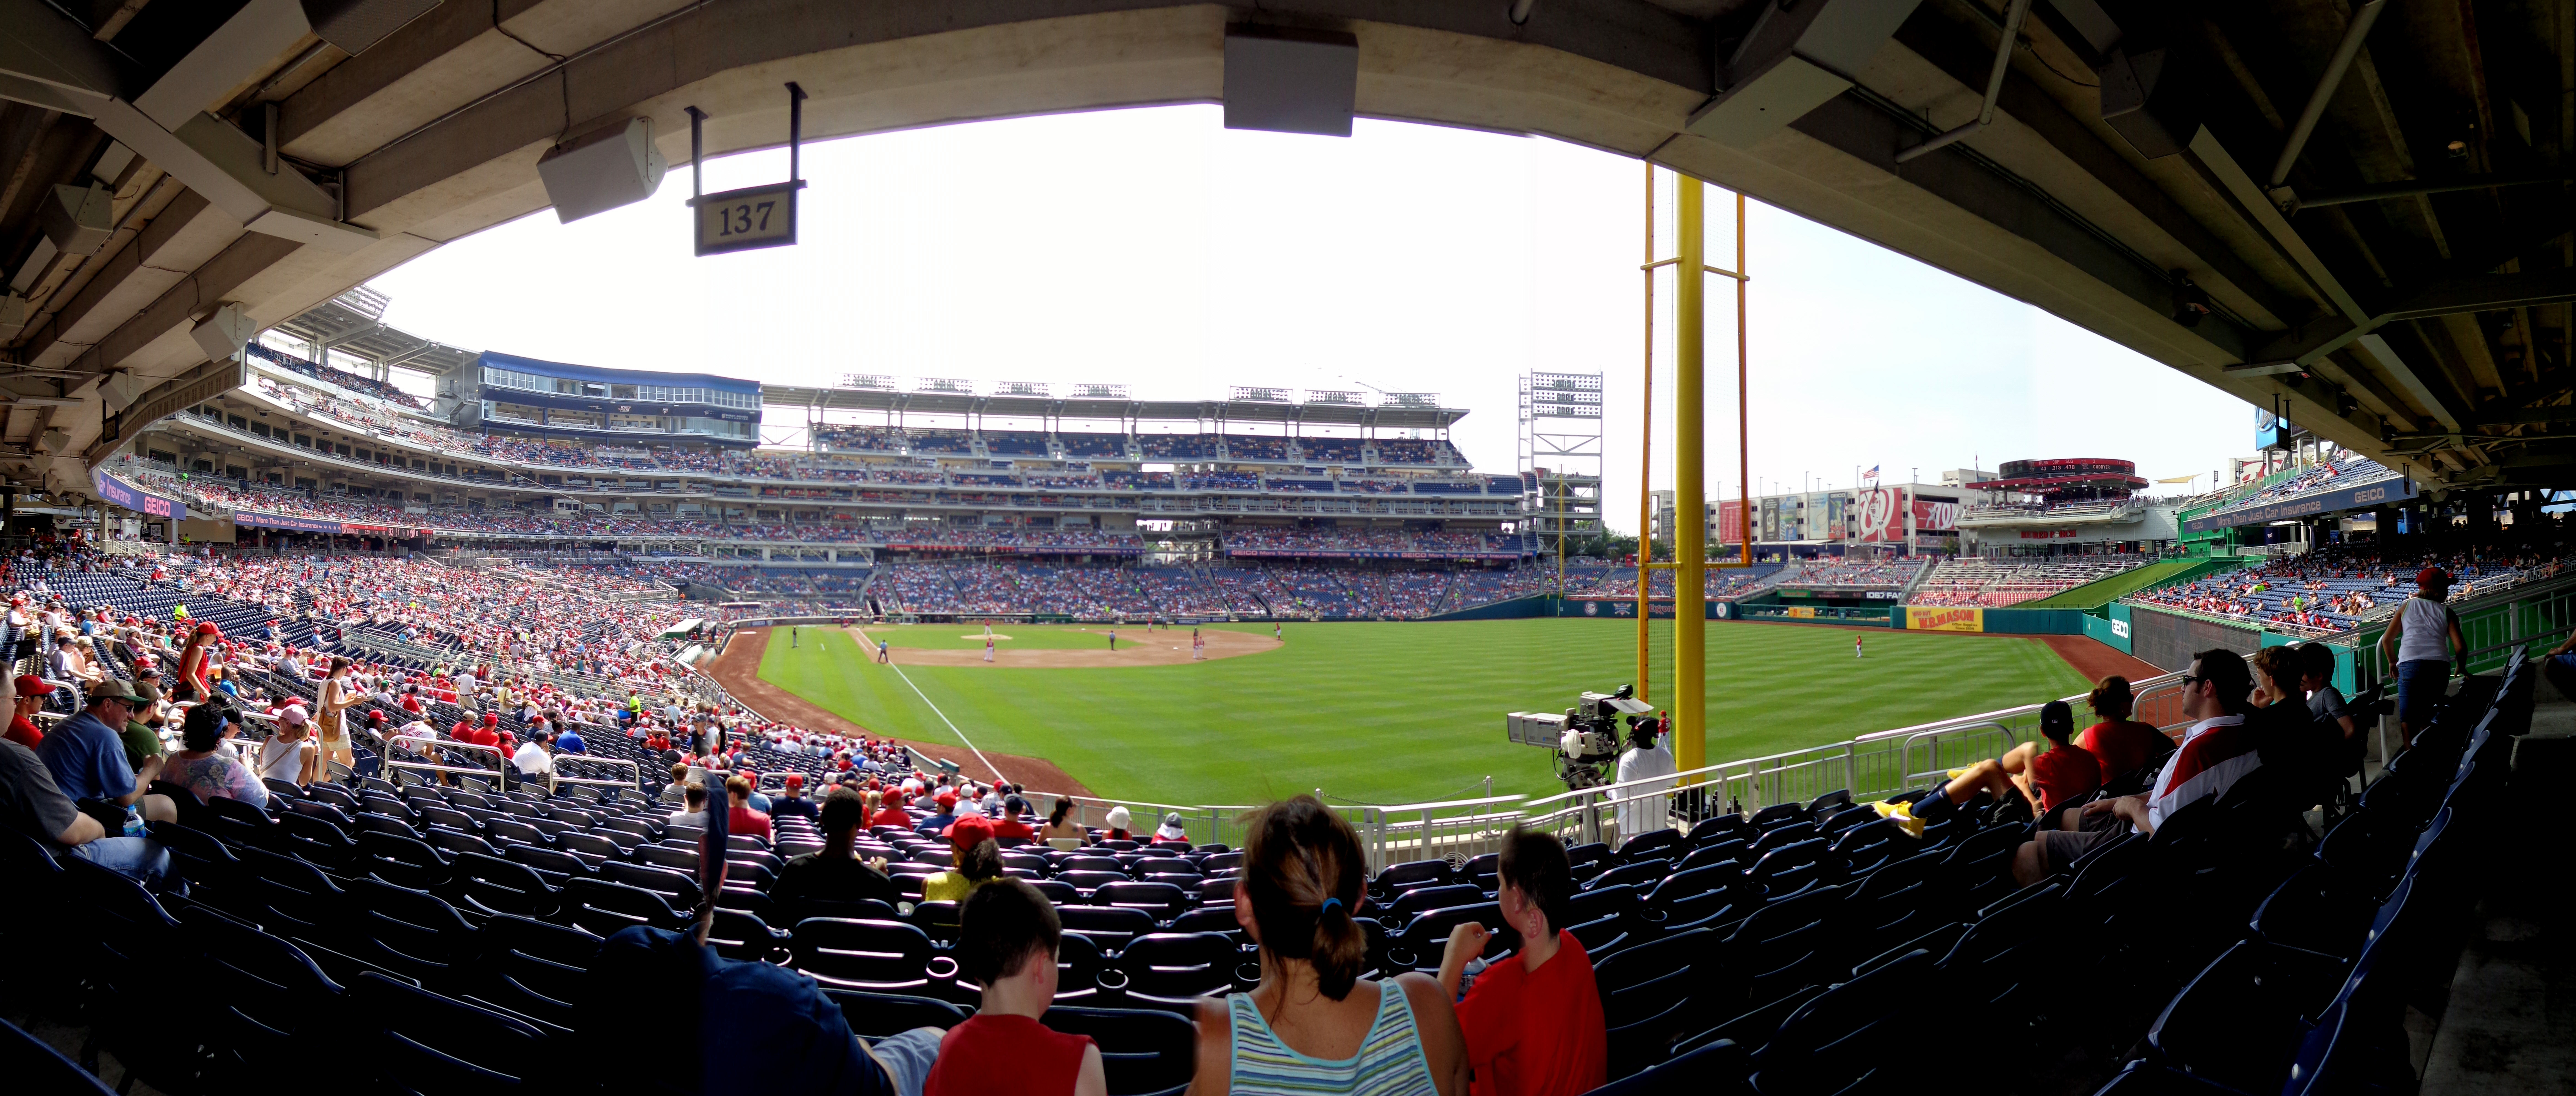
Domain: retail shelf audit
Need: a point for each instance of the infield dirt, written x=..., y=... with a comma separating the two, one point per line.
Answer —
x=738, y=670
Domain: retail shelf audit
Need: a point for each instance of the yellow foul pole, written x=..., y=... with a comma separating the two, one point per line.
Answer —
x=1690, y=495
x=1646, y=447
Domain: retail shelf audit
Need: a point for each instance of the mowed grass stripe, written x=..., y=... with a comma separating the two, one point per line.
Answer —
x=1396, y=712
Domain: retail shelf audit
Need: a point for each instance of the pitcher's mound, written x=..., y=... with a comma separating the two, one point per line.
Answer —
x=996, y=637
x=1159, y=650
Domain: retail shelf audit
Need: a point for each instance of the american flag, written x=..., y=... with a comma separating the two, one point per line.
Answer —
x=1871, y=474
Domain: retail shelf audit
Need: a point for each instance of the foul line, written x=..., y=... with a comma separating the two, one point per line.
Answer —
x=952, y=727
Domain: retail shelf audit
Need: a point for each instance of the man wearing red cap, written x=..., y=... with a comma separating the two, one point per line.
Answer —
x=2421, y=641
x=32, y=691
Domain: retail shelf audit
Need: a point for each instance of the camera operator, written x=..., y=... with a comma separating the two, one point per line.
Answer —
x=1643, y=809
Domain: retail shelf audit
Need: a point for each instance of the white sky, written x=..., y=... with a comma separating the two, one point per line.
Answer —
x=1156, y=248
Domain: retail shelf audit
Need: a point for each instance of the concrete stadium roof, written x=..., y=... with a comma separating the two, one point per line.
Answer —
x=1384, y=416
x=2375, y=237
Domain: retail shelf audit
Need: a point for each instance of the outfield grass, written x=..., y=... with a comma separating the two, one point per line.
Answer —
x=1401, y=712
x=970, y=637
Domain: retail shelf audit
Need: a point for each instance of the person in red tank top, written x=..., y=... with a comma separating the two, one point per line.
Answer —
x=2120, y=743
x=1532, y=1021
x=1007, y=934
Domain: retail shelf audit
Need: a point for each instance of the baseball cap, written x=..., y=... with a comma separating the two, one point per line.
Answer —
x=795, y=780
x=292, y=716
x=207, y=628
x=2432, y=576
x=969, y=832
x=31, y=685
x=115, y=689
x=945, y=799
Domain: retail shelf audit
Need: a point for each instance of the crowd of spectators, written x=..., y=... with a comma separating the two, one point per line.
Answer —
x=2338, y=587
x=354, y=382
x=1364, y=540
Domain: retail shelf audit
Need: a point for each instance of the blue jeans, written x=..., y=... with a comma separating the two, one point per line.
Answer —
x=138, y=858
x=2421, y=684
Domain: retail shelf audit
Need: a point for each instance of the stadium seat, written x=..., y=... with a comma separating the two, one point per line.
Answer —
x=29, y=1061
x=877, y=956
x=603, y=907
x=1110, y=927
x=1847, y=1035
x=875, y=1016
x=401, y=861
x=1164, y=968
x=1142, y=1052
x=490, y=885
x=413, y=1040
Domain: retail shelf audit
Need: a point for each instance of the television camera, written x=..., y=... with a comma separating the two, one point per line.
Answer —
x=1587, y=739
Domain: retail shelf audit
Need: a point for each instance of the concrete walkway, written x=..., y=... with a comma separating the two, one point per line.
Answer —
x=2509, y=1028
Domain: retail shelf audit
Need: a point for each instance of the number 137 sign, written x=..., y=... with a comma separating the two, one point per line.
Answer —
x=752, y=217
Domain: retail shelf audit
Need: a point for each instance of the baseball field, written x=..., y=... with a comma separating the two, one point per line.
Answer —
x=1369, y=712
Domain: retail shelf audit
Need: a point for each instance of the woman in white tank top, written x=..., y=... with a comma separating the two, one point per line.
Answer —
x=2418, y=645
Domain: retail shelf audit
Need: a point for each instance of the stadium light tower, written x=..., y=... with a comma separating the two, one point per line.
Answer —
x=1560, y=455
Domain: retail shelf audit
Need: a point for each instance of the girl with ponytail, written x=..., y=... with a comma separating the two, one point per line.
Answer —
x=1312, y=1025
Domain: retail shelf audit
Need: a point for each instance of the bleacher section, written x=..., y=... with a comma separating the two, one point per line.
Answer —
x=2329, y=591
x=2005, y=581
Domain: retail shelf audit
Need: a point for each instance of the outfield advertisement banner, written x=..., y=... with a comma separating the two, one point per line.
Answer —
x=2385, y=491
x=1944, y=619
x=1935, y=515
x=1023, y=549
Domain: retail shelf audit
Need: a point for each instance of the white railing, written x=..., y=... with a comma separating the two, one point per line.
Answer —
x=634, y=772
x=499, y=776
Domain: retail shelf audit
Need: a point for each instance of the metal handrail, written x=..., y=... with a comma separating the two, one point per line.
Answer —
x=500, y=776
x=561, y=759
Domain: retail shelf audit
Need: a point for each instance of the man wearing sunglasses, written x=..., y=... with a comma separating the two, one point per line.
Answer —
x=2217, y=750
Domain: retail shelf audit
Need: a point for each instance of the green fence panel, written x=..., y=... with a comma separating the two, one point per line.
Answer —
x=2035, y=622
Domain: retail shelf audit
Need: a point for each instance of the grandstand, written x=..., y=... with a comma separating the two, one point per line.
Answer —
x=2003, y=581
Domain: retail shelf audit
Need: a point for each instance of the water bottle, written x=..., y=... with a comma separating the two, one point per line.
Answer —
x=1467, y=978
x=133, y=822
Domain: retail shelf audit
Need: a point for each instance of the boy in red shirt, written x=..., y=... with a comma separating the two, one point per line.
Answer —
x=1007, y=935
x=893, y=814
x=2046, y=779
x=743, y=819
x=1532, y=1021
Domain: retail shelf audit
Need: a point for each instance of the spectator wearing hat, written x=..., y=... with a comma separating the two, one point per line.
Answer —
x=2422, y=641
x=1172, y=831
x=1007, y=938
x=1012, y=824
x=835, y=874
x=535, y=758
x=290, y=754
x=1533, y=1021
x=87, y=756
x=791, y=801
x=142, y=732
x=979, y=861
x=741, y=818
x=191, y=683
x=943, y=813
x=891, y=812
x=2065, y=771
x=30, y=699
x=1118, y=820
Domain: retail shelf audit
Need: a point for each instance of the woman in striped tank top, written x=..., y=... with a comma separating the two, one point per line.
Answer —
x=1312, y=1026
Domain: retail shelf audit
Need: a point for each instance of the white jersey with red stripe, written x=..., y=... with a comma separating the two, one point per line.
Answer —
x=2215, y=753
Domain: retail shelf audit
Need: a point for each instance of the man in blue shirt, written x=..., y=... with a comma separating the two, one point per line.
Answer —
x=570, y=742
x=87, y=754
